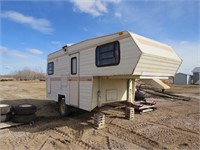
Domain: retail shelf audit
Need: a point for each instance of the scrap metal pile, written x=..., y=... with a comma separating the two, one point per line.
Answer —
x=141, y=104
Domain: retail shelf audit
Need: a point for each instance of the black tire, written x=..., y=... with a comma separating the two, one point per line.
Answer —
x=25, y=109
x=5, y=118
x=5, y=109
x=23, y=118
x=63, y=109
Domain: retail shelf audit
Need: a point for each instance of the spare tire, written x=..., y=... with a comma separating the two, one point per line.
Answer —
x=4, y=118
x=23, y=118
x=25, y=109
x=5, y=109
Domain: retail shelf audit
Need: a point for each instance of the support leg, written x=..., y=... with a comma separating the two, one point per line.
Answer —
x=99, y=119
x=129, y=111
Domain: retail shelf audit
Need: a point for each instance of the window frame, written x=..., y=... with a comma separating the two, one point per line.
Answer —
x=52, y=63
x=73, y=73
x=116, y=49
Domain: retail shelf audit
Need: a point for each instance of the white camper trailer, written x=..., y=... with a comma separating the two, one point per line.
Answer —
x=104, y=69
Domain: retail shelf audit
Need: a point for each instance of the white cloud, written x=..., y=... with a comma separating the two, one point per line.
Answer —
x=12, y=60
x=38, y=24
x=8, y=67
x=113, y=1
x=35, y=51
x=57, y=43
x=93, y=7
x=184, y=42
x=13, y=53
x=60, y=44
x=135, y=17
x=118, y=14
x=70, y=44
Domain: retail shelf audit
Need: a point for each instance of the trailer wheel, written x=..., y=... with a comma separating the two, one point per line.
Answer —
x=4, y=118
x=25, y=109
x=23, y=118
x=5, y=109
x=64, y=109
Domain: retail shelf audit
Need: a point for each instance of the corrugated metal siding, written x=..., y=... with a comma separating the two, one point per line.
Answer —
x=196, y=77
x=129, y=55
x=156, y=64
x=120, y=86
x=61, y=66
x=180, y=79
x=61, y=69
x=56, y=54
x=94, y=41
x=85, y=95
x=151, y=47
x=95, y=88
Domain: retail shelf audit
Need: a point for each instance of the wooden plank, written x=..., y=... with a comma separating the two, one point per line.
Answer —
x=4, y=125
x=146, y=107
x=147, y=110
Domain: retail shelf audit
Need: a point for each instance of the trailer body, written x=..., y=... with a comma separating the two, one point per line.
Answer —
x=103, y=70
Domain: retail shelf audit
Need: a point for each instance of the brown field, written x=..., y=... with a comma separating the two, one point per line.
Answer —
x=174, y=125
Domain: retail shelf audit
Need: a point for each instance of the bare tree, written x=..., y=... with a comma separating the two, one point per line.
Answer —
x=28, y=74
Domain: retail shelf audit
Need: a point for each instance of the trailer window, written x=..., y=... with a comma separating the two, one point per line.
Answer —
x=50, y=68
x=108, y=54
x=73, y=65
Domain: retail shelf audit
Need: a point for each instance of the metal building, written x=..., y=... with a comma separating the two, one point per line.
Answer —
x=181, y=78
x=196, y=75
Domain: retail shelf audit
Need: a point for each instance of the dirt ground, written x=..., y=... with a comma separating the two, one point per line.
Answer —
x=174, y=125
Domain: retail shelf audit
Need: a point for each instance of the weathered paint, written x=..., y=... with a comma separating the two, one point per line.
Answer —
x=93, y=86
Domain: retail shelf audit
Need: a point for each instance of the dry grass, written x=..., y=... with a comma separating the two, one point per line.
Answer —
x=190, y=89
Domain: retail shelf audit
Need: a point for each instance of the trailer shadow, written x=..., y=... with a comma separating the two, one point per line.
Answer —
x=47, y=117
x=44, y=107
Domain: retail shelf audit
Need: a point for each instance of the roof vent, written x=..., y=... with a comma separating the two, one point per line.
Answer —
x=65, y=48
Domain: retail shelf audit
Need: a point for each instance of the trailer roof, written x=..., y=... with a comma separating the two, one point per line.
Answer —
x=145, y=45
x=149, y=46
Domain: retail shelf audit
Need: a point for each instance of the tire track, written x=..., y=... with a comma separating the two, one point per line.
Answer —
x=72, y=140
x=108, y=142
x=131, y=136
x=37, y=142
x=177, y=129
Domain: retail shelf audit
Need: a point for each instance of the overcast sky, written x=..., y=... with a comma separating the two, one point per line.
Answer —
x=30, y=30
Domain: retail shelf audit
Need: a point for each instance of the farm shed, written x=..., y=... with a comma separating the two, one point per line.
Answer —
x=181, y=78
x=196, y=75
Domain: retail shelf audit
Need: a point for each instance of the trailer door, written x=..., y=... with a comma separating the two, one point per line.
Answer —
x=74, y=80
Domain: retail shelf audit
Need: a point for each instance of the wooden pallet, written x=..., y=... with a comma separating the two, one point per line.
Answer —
x=4, y=125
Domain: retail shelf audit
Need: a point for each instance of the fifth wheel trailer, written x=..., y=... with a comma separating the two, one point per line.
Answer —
x=104, y=69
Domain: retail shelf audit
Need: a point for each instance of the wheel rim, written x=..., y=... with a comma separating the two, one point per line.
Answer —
x=62, y=108
x=25, y=105
x=3, y=105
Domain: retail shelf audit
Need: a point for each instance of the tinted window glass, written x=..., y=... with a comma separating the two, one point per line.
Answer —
x=108, y=54
x=50, y=68
x=73, y=65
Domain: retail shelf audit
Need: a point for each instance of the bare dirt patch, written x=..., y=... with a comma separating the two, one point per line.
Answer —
x=174, y=125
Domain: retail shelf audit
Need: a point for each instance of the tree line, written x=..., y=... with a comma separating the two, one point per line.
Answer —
x=28, y=74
